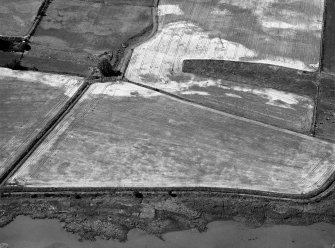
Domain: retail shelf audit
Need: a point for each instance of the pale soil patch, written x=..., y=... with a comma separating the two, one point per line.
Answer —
x=122, y=90
x=169, y=9
x=66, y=83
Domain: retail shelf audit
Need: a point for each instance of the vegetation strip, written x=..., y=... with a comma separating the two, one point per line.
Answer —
x=41, y=12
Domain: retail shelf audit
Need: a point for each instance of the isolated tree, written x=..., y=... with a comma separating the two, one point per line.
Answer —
x=107, y=69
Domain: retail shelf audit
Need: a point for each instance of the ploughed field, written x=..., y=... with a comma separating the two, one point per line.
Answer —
x=228, y=94
x=121, y=135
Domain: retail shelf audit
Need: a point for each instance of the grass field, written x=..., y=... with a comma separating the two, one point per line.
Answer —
x=74, y=33
x=16, y=17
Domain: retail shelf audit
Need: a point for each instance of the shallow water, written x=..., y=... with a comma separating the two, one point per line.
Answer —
x=25, y=232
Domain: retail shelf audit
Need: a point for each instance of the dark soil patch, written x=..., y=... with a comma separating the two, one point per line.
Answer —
x=16, y=65
x=14, y=44
x=328, y=53
x=262, y=75
x=7, y=58
x=325, y=116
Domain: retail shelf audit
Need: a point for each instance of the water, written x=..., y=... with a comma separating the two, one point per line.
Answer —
x=25, y=232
